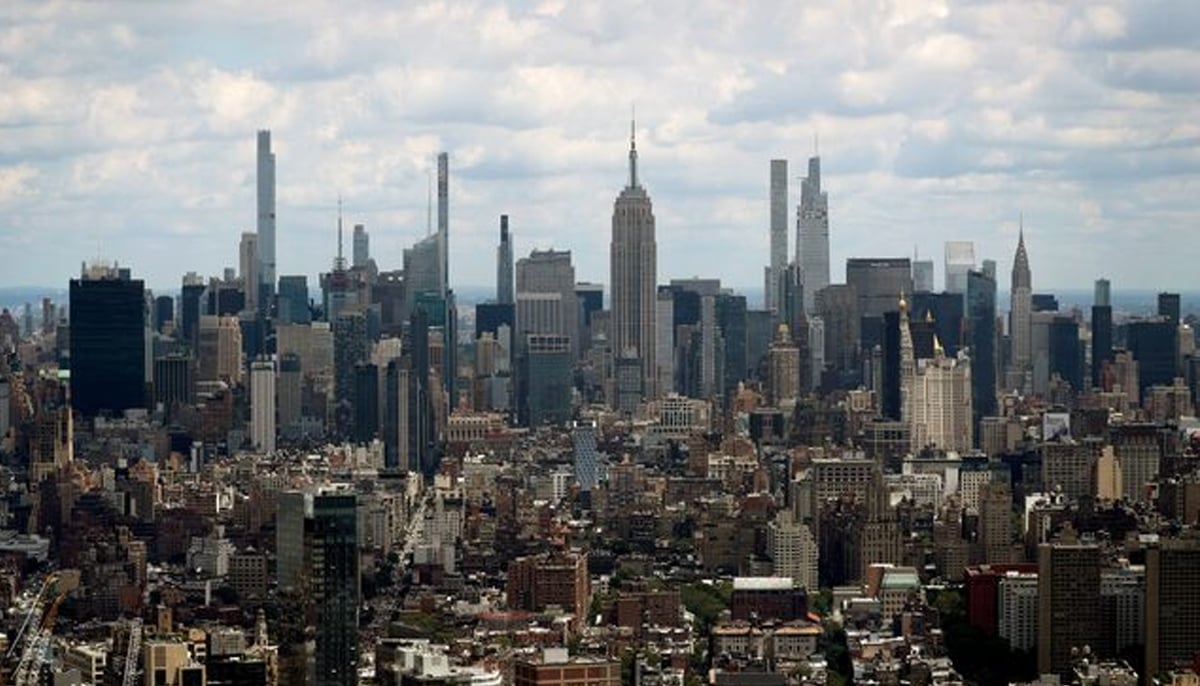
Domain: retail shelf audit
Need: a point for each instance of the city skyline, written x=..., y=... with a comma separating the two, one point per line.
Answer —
x=925, y=136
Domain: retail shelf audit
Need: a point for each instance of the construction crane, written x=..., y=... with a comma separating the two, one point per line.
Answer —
x=131, y=654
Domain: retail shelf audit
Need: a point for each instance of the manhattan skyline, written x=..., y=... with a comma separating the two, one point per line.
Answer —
x=136, y=145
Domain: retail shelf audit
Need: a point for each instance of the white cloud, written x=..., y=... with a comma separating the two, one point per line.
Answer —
x=937, y=119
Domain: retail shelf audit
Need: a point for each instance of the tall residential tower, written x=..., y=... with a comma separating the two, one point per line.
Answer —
x=266, y=218
x=779, y=238
x=504, y=264
x=634, y=275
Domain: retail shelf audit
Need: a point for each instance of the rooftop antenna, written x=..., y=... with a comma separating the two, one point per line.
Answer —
x=341, y=261
x=633, y=182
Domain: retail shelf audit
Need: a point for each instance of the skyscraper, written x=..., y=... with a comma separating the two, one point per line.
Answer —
x=504, y=264
x=981, y=338
x=1020, y=316
x=248, y=267
x=1069, y=614
x=362, y=246
x=266, y=219
x=634, y=276
x=779, y=238
x=960, y=259
x=922, y=275
x=443, y=223
x=108, y=341
x=812, y=236
x=547, y=272
x=1102, y=330
x=262, y=404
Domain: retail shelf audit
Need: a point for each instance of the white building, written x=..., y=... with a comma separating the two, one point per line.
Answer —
x=960, y=259
x=1017, y=609
x=793, y=550
x=812, y=236
x=262, y=404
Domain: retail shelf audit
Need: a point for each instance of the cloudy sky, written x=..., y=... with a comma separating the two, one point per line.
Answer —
x=129, y=130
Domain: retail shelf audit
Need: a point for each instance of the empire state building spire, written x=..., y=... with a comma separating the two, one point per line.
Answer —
x=633, y=180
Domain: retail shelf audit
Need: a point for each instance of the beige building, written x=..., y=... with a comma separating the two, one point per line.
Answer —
x=783, y=360
x=793, y=550
x=170, y=663
x=1108, y=482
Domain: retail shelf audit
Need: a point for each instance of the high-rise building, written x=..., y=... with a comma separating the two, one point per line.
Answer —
x=1169, y=307
x=939, y=401
x=266, y=218
x=793, y=550
x=550, y=272
x=190, y=307
x=981, y=338
x=350, y=347
x=219, y=349
x=730, y=310
x=634, y=277
x=317, y=546
x=1152, y=343
x=504, y=264
x=1069, y=614
x=773, y=295
x=293, y=300
x=361, y=247
x=262, y=405
x=443, y=223
x=812, y=235
x=174, y=381
x=545, y=384
x=1017, y=609
x=1172, y=604
x=289, y=395
x=783, y=368
x=960, y=259
x=1020, y=317
x=248, y=267
x=1102, y=331
x=108, y=334
x=583, y=437
x=922, y=276
x=877, y=282
x=665, y=339
x=366, y=402
x=164, y=314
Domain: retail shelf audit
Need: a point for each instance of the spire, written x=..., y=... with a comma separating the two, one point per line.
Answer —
x=340, y=262
x=1021, y=277
x=633, y=180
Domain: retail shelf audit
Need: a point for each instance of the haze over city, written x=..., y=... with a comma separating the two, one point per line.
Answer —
x=130, y=131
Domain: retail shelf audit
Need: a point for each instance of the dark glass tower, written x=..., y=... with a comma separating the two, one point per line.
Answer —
x=108, y=342
x=1102, y=330
x=981, y=337
x=1152, y=343
x=366, y=402
x=336, y=587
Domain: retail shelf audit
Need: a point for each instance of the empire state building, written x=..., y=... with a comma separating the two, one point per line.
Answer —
x=634, y=276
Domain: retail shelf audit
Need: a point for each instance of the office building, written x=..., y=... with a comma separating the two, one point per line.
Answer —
x=262, y=405
x=634, y=277
x=174, y=381
x=350, y=347
x=545, y=384
x=164, y=316
x=583, y=439
x=812, y=236
x=265, y=179
x=778, y=203
x=664, y=339
x=366, y=403
x=504, y=264
x=548, y=272
x=793, y=550
x=939, y=405
x=783, y=364
x=730, y=311
x=837, y=308
x=108, y=333
x=1102, y=331
x=877, y=282
x=248, y=267
x=981, y=338
x=190, y=307
x=289, y=395
x=1172, y=624
x=1152, y=343
x=1069, y=614
x=960, y=259
x=1169, y=307
x=293, y=300
x=361, y=247
x=922, y=276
